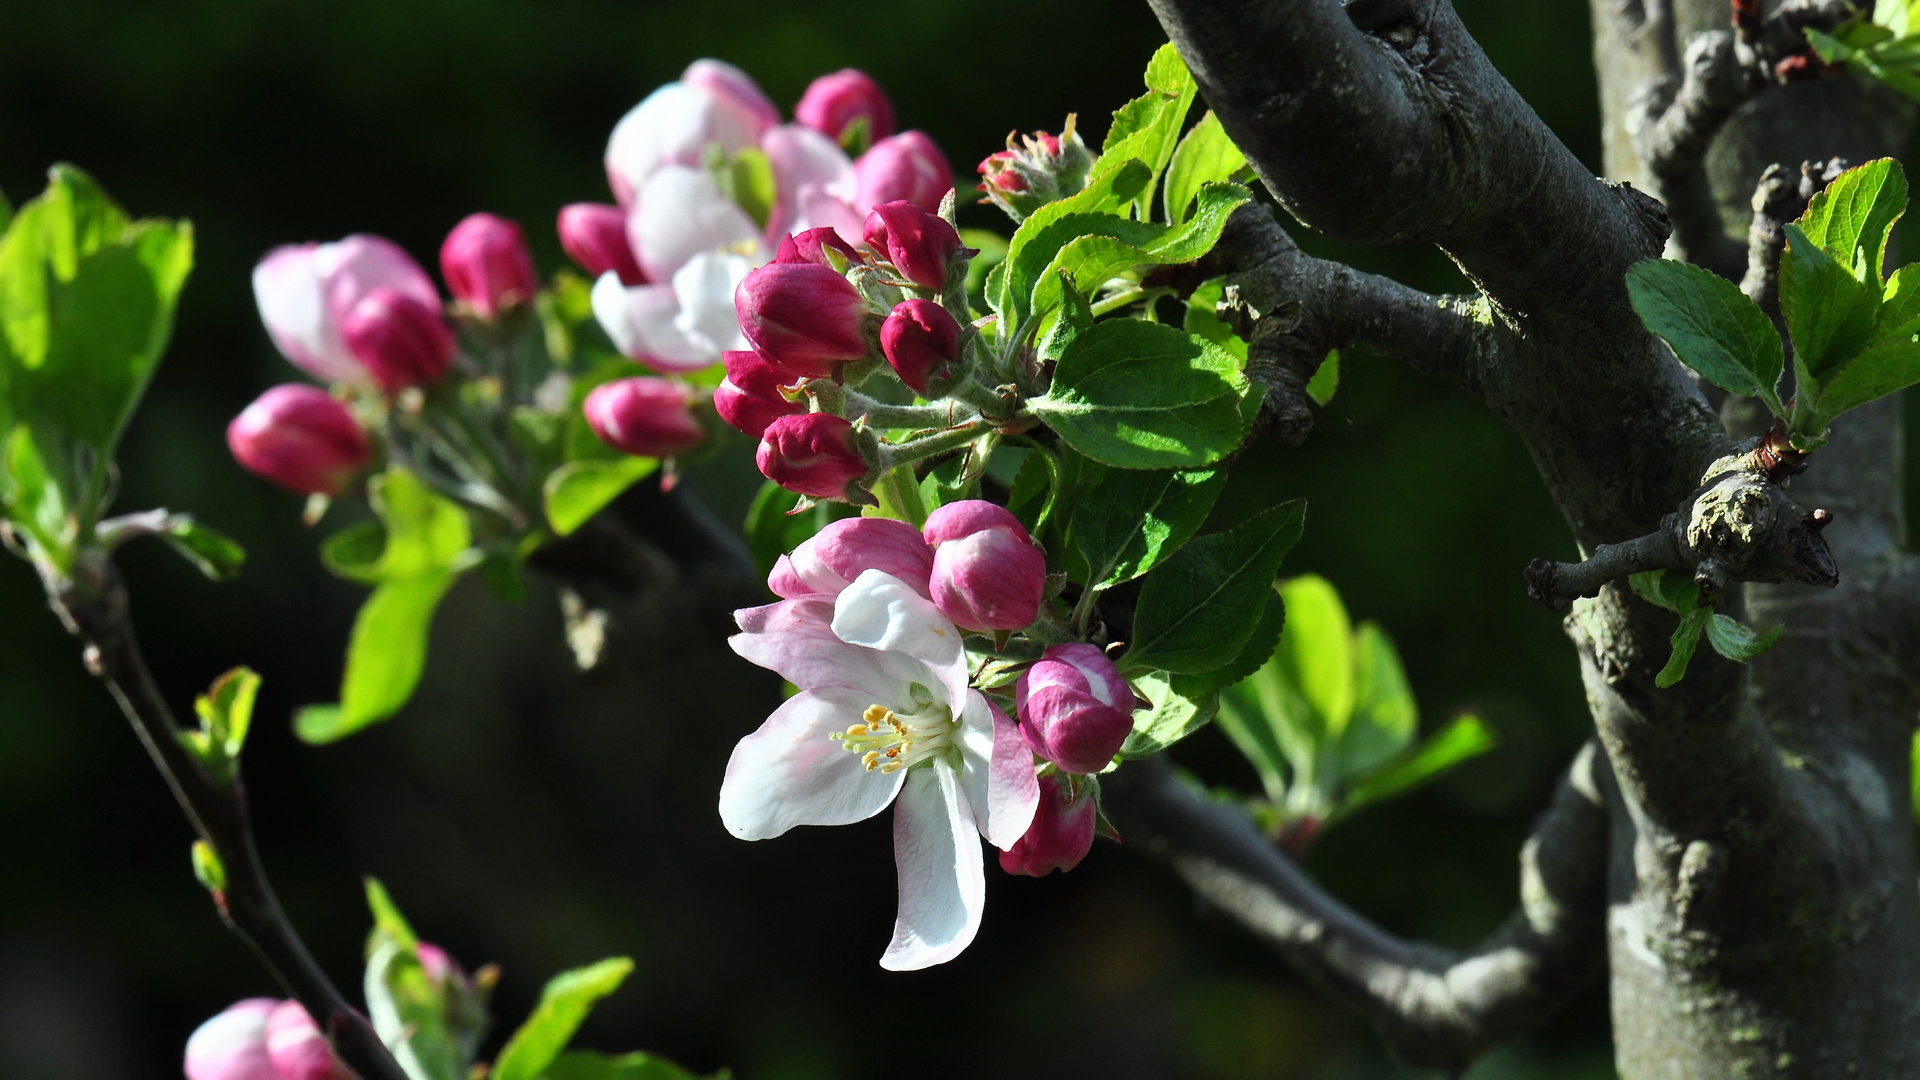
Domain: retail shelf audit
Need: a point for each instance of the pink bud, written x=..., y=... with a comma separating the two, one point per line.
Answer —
x=833, y=102
x=402, y=341
x=987, y=575
x=918, y=244
x=1060, y=836
x=815, y=454
x=233, y=1045
x=999, y=173
x=297, y=1049
x=749, y=397
x=644, y=416
x=1075, y=709
x=735, y=88
x=305, y=290
x=922, y=342
x=809, y=246
x=298, y=437
x=804, y=317
x=486, y=264
x=830, y=559
x=968, y=516
x=908, y=166
x=595, y=236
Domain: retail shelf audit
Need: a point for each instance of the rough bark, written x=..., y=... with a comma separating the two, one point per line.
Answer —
x=1763, y=919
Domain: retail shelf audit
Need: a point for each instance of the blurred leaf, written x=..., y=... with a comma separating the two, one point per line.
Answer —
x=387, y=919
x=213, y=554
x=1385, y=715
x=408, y=1012
x=1139, y=395
x=6, y=212
x=427, y=534
x=566, y=310
x=354, y=552
x=563, y=1005
x=1207, y=600
x=1316, y=654
x=993, y=251
x=1169, y=717
x=1205, y=156
x=587, y=1065
x=385, y=657
x=1326, y=379
x=1128, y=521
x=1148, y=127
x=1464, y=737
x=33, y=499
x=580, y=489
x=773, y=529
x=748, y=181
x=1736, y=640
x=226, y=714
x=1245, y=720
x=1712, y=327
x=208, y=870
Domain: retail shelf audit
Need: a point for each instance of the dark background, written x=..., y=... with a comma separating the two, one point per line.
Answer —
x=521, y=817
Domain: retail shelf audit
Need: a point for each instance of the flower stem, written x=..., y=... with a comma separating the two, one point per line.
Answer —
x=895, y=455
x=911, y=417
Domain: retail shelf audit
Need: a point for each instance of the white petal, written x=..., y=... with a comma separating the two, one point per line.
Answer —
x=943, y=885
x=670, y=126
x=882, y=612
x=286, y=286
x=705, y=288
x=804, y=161
x=681, y=212
x=355, y=266
x=790, y=773
x=1002, y=792
x=642, y=320
x=793, y=639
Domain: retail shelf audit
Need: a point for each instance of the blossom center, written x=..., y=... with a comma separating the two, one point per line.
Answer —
x=888, y=741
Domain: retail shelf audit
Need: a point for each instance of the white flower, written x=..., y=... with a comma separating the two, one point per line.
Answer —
x=681, y=326
x=885, y=715
x=712, y=104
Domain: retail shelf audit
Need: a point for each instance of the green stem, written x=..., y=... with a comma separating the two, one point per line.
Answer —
x=911, y=417
x=1115, y=303
x=894, y=456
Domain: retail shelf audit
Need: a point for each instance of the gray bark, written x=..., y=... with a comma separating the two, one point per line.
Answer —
x=1760, y=909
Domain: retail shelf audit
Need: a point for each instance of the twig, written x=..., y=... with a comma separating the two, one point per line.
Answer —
x=94, y=609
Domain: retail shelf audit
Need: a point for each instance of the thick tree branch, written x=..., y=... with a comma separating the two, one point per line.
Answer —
x=93, y=606
x=1435, y=1007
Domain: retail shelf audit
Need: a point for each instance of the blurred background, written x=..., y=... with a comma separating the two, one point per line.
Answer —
x=523, y=817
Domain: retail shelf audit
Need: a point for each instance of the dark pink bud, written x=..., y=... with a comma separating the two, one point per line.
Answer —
x=486, y=264
x=998, y=172
x=830, y=559
x=643, y=416
x=987, y=575
x=402, y=341
x=815, y=454
x=1060, y=836
x=918, y=244
x=908, y=166
x=804, y=317
x=1075, y=709
x=807, y=247
x=595, y=236
x=968, y=516
x=298, y=1050
x=298, y=437
x=833, y=102
x=749, y=397
x=922, y=342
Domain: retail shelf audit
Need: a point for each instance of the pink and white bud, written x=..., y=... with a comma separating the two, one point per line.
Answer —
x=1074, y=708
x=811, y=246
x=814, y=182
x=487, y=266
x=643, y=416
x=297, y=1049
x=732, y=87
x=920, y=246
x=305, y=290
x=749, y=398
x=680, y=213
x=300, y=438
x=1035, y=171
x=595, y=236
x=712, y=104
x=908, y=166
x=1060, y=836
x=233, y=1045
x=987, y=575
x=401, y=341
x=805, y=317
x=834, y=103
x=829, y=560
x=816, y=454
x=922, y=343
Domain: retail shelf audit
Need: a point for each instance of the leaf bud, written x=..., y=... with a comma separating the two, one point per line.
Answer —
x=1036, y=170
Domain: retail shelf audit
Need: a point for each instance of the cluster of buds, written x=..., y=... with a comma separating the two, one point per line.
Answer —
x=1035, y=170
x=825, y=313
x=262, y=1039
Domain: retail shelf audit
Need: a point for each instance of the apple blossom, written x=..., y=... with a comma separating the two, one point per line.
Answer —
x=1060, y=836
x=749, y=398
x=919, y=245
x=595, y=236
x=987, y=575
x=713, y=104
x=401, y=341
x=487, y=266
x=921, y=342
x=681, y=212
x=814, y=181
x=834, y=102
x=304, y=291
x=300, y=438
x=884, y=716
x=682, y=325
x=831, y=559
x=805, y=317
x=646, y=417
x=1075, y=709
x=816, y=454
x=907, y=166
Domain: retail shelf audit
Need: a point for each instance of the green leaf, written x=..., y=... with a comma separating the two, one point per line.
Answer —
x=1899, y=315
x=33, y=499
x=409, y=1013
x=225, y=712
x=1326, y=379
x=1853, y=216
x=6, y=212
x=1148, y=127
x=898, y=492
x=749, y=182
x=1877, y=371
x=385, y=657
x=1257, y=737
x=1712, y=327
x=992, y=248
x=1255, y=653
x=208, y=870
x=1385, y=715
x=355, y=552
x=1050, y=228
x=1140, y=395
x=587, y=1065
x=1737, y=641
x=1464, y=737
x=1091, y=260
x=564, y=1003
x=1675, y=592
x=580, y=489
x=1830, y=313
x=1203, y=319
x=1207, y=600
x=426, y=533
x=213, y=554
x=1316, y=654
x=1205, y=156
x=387, y=919
x=1129, y=521
x=1169, y=717
x=1035, y=489
x=1686, y=637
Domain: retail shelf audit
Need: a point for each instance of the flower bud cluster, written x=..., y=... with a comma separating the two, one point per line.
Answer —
x=1036, y=170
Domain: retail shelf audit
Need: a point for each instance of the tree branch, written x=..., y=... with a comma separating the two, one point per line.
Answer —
x=1435, y=1007
x=93, y=606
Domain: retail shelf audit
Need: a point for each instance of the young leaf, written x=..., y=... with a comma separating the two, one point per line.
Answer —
x=385, y=657
x=1205, y=156
x=900, y=499
x=226, y=714
x=208, y=870
x=1686, y=637
x=1140, y=395
x=1050, y=228
x=1853, y=216
x=1315, y=656
x=1877, y=371
x=1128, y=520
x=1464, y=737
x=580, y=489
x=1091, y=260
x=411, y=1011
x=33, y=498
x=1326, y=379
x=1737, y=641
x=387, y=920
x=1034, y=491
x=426, y=534
x=1830, y=314
x=1385, y=715
x=1169, y=717
x=1711, y=326
x=213, y=554
x=1203, y=319
x=1207, y=600
x=1148, y=127
x=564, y=1003
x=1255, y=732
x=773, y=528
